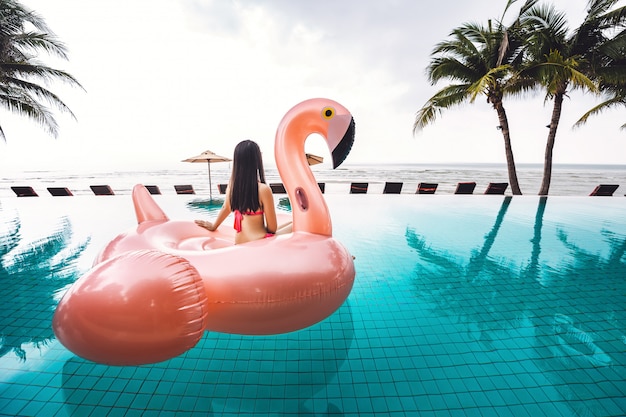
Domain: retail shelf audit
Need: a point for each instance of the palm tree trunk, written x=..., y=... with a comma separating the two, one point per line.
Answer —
x=510, y=162
x=547, y=161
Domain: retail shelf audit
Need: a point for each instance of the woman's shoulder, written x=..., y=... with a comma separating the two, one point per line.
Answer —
x=264, y=191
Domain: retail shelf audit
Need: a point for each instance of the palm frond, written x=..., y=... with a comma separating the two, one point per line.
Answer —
x=33, y=41
x=580, y=81
x=544, y=29
x=20, y=71
x=488, y=83
x=556, y=72
x=518, y=85
x=605, y=105
x=528, y=6
x=446, y=98
x=30, y=89
x=450, y=68
x=598, y=9
x=35, y=70
x=21, y=103
x=13, y=15
x=459, y=45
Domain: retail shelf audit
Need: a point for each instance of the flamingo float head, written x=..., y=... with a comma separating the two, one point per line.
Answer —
x=336, y=125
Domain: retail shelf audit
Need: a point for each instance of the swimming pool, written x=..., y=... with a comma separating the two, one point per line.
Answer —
x=462, y=305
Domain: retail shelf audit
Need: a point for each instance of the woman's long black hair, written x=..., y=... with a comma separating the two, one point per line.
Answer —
x=245, y=177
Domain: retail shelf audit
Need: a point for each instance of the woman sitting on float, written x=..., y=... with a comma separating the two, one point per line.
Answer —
x=155, y=289
x=249, y=197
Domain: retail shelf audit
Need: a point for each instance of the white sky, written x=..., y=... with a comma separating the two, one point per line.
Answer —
x=168, y=79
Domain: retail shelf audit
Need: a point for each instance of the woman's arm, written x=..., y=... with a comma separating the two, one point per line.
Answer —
x=221, y=216
x=266, y=198
x=224, y=212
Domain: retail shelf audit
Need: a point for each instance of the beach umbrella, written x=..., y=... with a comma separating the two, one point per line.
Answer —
x=314, y=159
x=208, y=157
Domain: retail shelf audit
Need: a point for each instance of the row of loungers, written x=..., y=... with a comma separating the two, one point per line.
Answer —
x=25, y=191
x=464, y=188
x=430, y=188
x=279, y=188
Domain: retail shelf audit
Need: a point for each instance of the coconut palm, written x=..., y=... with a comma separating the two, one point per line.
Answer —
x=480, y=60
x=561, y=62
x=611, y=73
x=23, y=34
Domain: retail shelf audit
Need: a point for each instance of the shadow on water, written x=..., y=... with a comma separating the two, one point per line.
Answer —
x=31, y=276
x=224, y=373
x=576, y=340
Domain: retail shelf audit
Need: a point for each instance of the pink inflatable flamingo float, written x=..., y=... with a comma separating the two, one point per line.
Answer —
x=154, y=290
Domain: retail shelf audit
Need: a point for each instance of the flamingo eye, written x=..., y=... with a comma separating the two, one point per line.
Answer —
x=328, y=113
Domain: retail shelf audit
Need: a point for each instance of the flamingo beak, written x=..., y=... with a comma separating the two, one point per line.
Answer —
x=342, y=147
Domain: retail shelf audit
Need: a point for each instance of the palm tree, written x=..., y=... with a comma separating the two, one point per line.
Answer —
x=23, y=34
x=560, y=62
x=481, y=60
x=611, y=75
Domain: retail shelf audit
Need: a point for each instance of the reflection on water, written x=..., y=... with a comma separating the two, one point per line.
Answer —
x=576, y=344
x=472, y=291
x=31, y=276
x=284, y=204
x=548, y=304
x=211, y=206
x=281, y=373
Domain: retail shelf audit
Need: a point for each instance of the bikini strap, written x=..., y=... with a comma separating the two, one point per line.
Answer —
x=238, y=219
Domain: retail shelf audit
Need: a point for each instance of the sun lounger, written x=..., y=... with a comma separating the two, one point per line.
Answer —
x=101, y=190
x=426, y=188
x=465, y=188
x=153, y=189
x=605, y=190
x=392, y=188
x=496, y=188
x=24, y=191
x=184, y=189
x=278, y=188
x=59, y=191
x=358, y=187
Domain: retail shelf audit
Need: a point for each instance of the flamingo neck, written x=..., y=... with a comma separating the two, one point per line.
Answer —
x=310, y=212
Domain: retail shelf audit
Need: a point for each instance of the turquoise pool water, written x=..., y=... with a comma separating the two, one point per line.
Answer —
x=462, y=306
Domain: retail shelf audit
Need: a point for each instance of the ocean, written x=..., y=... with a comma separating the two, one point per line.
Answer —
x=567, y=179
